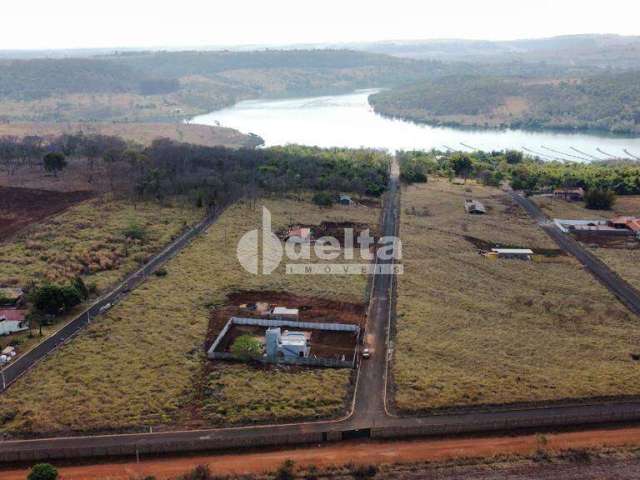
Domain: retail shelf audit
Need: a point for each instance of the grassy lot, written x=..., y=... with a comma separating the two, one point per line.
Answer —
x=623, y=261
x=89, y=240
x=556, y=208
x=143, y=363
x=476, y=331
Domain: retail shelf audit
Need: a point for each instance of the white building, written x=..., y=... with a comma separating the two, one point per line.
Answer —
x=12, y=321
x=287, y=344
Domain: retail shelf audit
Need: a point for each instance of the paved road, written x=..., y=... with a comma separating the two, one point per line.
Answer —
x=619, y=287
x=19, y=367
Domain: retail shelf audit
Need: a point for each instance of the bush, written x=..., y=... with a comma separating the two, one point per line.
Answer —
x=134, y=232
x=363, y=472
x=246, y=347
x=285, y=472
x=201, y=472
x=161, y=272
x=43, y=471
x=323, y=199
x=599, y=199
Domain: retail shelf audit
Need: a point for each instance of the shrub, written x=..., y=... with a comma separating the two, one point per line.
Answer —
x=362, y=472
x=246, y=347
x=201, y=472
x=323, y=199
x=285, y=472
x=134, y=232
x=599, y=199
x=161, y=272
x=43, y=471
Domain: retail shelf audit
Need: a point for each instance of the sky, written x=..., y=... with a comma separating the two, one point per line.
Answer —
x=51, y=24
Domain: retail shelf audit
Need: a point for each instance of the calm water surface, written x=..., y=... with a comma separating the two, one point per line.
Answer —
x=349, y=121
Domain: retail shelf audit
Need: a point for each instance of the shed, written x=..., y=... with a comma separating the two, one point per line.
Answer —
x=344, y=199
x=569, y=194
x=517, y=253
x=474, y=207
x=299, y=234
x=285, y=313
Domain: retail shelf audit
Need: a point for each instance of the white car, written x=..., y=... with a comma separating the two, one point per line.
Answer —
x=366, y=353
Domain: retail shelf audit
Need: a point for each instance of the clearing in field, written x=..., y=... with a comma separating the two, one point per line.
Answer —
x=476, y=331
x=144, y=362
x=621, y=254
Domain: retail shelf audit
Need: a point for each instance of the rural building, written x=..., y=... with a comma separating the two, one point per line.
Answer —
x=287, y=344
x=474, y=207
x=284, y=313
x=626, y=223
x=517, y=253
x=11, y=297
x=345, y=199
x=569, y=194
x=12, y=321
x=299, y=234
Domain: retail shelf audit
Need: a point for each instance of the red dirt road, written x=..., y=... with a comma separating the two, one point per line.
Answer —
x=367, y=452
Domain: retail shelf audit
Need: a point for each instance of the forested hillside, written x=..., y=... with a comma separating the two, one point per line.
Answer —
x=606, y=102
x=147, y=86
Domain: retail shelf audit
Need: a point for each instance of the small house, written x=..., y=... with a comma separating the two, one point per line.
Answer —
x=627, y=223
x=11, y=297
x=287, y=344
x=284, y=313
x=569, y=194
x=474, y=207
x=513, y=253
x=12, y=321
x=345, y=199
x=299, y=234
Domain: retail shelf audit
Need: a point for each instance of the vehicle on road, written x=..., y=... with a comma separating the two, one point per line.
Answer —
x=366, y=353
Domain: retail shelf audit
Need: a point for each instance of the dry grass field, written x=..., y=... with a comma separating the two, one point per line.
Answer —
x=88, y=240
x=474, y=331
x=556, y=208
x=143, y=363
x=623, y=261
x=143, y=133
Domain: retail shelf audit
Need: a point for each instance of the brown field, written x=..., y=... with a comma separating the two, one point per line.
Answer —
x=474, y=331
x=626, y=205
x=143, y=133
x=143, y=363
x=20, y=207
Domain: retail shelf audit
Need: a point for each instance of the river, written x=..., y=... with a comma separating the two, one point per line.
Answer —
x=349, y=121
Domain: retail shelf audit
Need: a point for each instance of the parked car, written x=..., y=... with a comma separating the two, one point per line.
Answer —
x=366, y=353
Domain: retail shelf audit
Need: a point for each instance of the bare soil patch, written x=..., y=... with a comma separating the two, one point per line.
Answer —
x=20, y=207
x=312, y=309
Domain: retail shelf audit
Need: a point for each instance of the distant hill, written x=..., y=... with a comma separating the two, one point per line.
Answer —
x=601, y=51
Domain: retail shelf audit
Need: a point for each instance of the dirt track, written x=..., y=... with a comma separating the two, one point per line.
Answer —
x=364, y=452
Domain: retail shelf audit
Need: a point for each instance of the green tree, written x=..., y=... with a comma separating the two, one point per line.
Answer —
x=43, y=471
x=461, y=164
x=246, y=347
x=599, y=199
x=323, y=199
x=55, y=299
x=54, y=162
